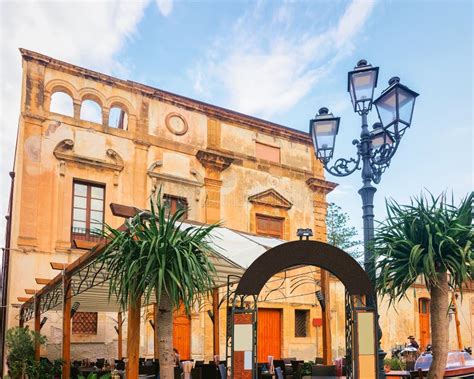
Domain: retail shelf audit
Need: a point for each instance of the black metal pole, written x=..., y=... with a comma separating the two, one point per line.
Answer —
x=367, y=194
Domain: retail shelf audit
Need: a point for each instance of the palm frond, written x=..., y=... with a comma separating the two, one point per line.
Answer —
x=422, y=239
x=158, y=254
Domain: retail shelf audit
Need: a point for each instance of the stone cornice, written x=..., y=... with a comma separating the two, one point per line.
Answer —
x=320, y=185
x=271, y=198
x=212, y=111
x=153, y=173
x=213, y=160
x=64, y=152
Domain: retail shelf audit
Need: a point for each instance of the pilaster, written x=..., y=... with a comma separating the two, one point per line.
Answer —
x=214, y=163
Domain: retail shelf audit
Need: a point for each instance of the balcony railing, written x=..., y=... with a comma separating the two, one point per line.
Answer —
x=90, y=235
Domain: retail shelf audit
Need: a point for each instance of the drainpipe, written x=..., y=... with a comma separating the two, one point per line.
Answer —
x=4, y=275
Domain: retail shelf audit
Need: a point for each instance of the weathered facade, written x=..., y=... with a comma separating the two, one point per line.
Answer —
x=86, y=140
x=76, y=155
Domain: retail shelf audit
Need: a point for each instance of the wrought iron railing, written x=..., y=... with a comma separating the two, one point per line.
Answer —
x=83, y=234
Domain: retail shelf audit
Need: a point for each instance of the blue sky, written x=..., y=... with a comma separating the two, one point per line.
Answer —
x=277, y=60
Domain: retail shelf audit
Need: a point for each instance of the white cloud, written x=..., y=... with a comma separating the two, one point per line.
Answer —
x=84, y=33
x=165, y=6
x=264, y=71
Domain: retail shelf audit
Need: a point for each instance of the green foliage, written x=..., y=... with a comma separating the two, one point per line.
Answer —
x=394, y=363
x=307, y=368
x=157, y=254
x=20, y=344
x=427, y=237
x=340, y=233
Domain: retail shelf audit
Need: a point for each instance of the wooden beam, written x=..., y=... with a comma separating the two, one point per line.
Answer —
x=66, y=344
x=326, y=316
x=58, y=266
x=119, y=339
x=37, y=327
x=83, y=245
x=215, y=325
x=23, y=299
x=30, y=291
x=133, y=339
x=124, y=211
x=155, y=332
x=42, y=281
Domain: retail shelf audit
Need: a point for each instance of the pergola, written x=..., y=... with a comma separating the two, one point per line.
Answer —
x=86, y=281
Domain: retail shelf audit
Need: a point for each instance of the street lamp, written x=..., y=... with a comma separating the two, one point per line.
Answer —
x=375, y=149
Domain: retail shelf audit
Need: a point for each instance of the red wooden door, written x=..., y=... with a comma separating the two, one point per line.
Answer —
x=268, y=334
x=182, y=334
x=424, y=310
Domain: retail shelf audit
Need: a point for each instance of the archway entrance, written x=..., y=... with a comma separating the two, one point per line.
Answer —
x=361, y=328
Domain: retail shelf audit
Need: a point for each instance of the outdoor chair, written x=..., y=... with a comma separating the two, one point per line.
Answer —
x=100, y=363
x=120, y=364
x=279, y=373
x=319, y=361
x=321, y=370
x=223, y=371
x=177, y=372
x=297, y=368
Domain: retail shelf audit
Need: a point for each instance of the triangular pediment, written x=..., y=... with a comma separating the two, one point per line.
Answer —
x=271, y=198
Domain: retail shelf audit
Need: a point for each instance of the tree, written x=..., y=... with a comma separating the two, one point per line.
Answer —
x=20, y=343
x=158, y=256
x=433, y=239
x=340, y=233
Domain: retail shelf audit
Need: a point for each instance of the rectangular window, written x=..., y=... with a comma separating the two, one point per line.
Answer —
x=301, y=322
x=87, y=211
x=267, y=152
x=269, y=226
x=173, y=203
x=84, y=323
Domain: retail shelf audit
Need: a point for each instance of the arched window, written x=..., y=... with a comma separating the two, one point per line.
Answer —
x=91, y=111
x=61, y=103
x=118, y=118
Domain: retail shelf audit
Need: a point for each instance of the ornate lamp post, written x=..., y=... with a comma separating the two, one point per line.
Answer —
x=375, y=149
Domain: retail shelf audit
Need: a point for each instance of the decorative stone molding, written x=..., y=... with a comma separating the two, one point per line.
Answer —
x=64, y=152
x=320, y=185
x=159, y=178
x=176, y=123
x=213, y=160
x=271, y=198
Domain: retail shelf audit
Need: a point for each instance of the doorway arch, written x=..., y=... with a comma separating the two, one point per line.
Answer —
x=361, y=317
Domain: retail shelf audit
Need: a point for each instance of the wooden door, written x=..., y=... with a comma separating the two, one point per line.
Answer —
x=182, y=334
x=424, y=311
x=268, y=334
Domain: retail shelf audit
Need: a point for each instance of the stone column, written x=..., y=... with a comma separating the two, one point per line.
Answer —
x=31, y=122
x=214, y=163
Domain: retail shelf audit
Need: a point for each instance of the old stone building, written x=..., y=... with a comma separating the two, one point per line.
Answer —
x=86, y=140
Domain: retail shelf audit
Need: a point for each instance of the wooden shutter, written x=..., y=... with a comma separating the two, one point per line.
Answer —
x=269, y=226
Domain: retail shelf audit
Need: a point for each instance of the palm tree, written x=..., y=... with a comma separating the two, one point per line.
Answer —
x=158, y=258
x=433, y=239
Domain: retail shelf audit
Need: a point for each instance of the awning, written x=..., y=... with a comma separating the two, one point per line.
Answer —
x=235, y=251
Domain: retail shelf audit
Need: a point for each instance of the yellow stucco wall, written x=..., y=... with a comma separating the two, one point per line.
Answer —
x=54, y=149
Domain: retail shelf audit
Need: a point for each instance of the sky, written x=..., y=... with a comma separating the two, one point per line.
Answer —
x=277, y=60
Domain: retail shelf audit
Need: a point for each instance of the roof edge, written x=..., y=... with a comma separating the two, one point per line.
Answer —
x=172, y=98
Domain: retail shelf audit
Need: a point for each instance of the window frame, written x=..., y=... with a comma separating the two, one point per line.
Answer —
x=273, y=218
x=175, y=200
x=306, y=314
x=88, y=236
x=75, y=322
